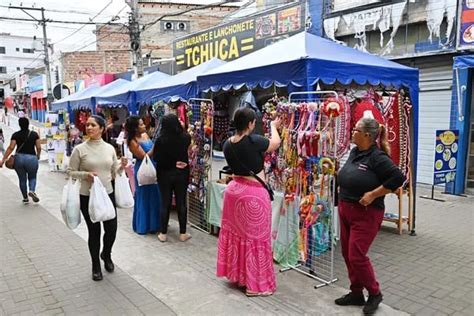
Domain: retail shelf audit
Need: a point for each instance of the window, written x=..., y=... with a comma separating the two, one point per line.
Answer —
x=3, y=70
x=18, y=49
x=2, y=50
x=28, y=50
x=18, y=68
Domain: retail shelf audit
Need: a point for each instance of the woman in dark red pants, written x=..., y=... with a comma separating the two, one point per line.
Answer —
x=367, y=176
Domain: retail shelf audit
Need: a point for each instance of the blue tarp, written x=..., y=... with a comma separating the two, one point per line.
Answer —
x=64, y=102
x=181, y=86
x=463, y=62
x=122, y=94
x=304, y=59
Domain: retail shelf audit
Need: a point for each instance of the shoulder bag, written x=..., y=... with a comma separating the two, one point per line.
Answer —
x=251, y=173
x=10, y=163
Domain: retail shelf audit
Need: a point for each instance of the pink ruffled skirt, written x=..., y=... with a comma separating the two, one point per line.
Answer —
x=244, y=247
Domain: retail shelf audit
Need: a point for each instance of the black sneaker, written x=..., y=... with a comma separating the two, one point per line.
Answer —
x=26, y=201
x=372, y=304
x=351, y=299
x=34, y=197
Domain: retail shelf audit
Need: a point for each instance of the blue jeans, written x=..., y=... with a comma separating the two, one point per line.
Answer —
x=26, y=167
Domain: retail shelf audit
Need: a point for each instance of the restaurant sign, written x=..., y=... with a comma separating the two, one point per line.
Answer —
x=233, y=40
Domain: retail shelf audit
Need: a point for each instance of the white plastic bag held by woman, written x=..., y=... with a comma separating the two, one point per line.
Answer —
x=147, y=172
x=100, y=206
x=123, y=193
x=70, y=204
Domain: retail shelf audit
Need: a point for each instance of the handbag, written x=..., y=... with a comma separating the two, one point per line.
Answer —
x=10, y=163
x=251, y=173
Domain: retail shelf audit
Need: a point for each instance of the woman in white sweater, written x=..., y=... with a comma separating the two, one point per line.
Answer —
x=96, y=158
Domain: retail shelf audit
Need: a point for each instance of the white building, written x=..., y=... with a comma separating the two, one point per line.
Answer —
x=18, y=54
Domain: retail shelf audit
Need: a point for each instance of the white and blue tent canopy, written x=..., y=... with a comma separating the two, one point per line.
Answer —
x=63, y=103
x=179, y=87
x=122, y=94
x=304, y=60
x=89, y=100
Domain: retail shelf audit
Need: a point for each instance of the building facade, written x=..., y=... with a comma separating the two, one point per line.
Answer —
x=18, y=54
x=158, y=36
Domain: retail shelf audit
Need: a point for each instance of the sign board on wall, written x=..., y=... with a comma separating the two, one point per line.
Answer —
x=466, y=24
x=238, y=38
x=446, y=155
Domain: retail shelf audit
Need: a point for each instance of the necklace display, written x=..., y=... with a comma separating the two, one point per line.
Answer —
x=201, y=131
x=303, y=168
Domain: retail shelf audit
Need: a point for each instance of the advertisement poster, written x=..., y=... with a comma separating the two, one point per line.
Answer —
x=446, y=155
x=55, y=140
x=240, y=37
x=466, y=24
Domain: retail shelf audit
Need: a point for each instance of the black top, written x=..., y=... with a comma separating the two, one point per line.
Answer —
x=170, y=150
x=366, y=170
x=246, y=153
x=29, y=147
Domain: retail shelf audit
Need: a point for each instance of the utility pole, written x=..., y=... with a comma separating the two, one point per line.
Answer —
x=49, y=96
x=135, y=42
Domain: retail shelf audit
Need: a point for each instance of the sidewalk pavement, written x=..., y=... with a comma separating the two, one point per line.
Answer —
x=150, y=278
x=45, y=268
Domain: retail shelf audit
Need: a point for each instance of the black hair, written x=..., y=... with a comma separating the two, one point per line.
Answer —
x=170, y=125
x=242, y=118
x=99, y=120
x=131, y=126
x=24, y=123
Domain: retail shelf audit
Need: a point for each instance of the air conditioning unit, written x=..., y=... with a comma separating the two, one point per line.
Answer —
x=168, y=26
x=181, y=26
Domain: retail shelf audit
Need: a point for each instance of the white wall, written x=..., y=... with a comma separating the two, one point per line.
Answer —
x=349, y=4
x=13, y=59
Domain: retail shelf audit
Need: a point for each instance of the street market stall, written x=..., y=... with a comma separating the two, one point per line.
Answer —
x=317, y=131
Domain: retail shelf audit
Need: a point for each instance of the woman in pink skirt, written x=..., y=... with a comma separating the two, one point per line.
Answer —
x=244, y=248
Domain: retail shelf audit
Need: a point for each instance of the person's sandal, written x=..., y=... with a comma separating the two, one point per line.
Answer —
x=255, y=294
x=184, y=237
x=162, y=237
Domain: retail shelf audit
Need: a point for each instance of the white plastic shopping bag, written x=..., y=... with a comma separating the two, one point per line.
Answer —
x=70, y=204
x=65, y=163
x=123, y=192
x=146, y=173
x=100, y=206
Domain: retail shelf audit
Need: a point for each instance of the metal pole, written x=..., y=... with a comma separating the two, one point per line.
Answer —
x=49, y=96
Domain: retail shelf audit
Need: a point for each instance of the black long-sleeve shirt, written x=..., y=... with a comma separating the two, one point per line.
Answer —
x=170, y=150
x=365, y=171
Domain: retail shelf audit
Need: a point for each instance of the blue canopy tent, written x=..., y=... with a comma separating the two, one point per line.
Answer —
x=461, y=113
x=181, y=86
x=303, y=60
x=64, y=103
x=124, y=94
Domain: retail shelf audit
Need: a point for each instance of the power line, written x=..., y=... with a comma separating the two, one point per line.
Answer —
x=55, y=10
x=98, y=39
x=59, y=21
x=107, y=5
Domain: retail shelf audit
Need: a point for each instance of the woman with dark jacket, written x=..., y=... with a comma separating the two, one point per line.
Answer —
x=28, y=152
x=368, y=175
x=170, y=153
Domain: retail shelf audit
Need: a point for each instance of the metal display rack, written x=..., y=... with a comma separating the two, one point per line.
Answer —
x=200, y=112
